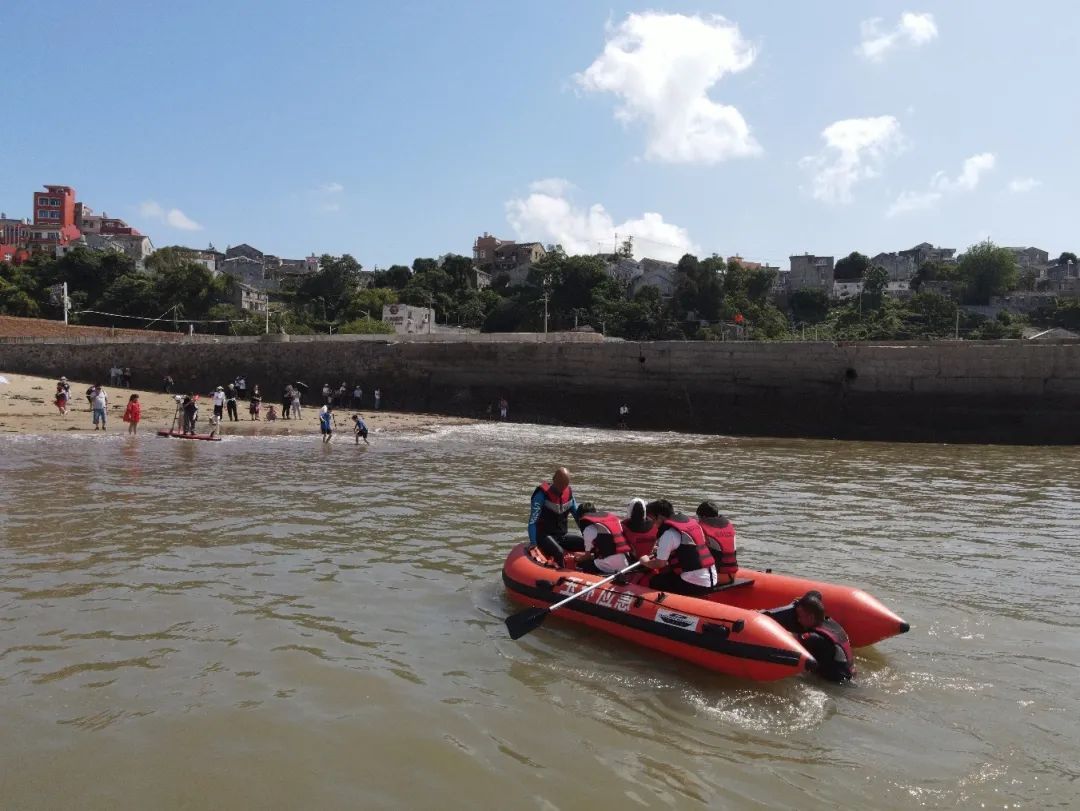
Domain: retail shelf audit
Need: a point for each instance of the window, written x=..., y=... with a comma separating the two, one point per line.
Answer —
x=42, y=214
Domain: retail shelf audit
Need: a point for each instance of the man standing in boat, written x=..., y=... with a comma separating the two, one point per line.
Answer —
x=552, y=502
x=683, y=558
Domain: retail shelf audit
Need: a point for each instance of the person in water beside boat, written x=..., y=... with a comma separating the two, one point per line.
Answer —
x=683, y=561
x=549, y=507
x=606, y=550
x=822, y=636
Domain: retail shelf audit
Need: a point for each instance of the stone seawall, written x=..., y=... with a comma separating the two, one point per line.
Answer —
x=1002, y=391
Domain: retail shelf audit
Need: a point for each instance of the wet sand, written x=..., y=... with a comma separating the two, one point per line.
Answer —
x=26, y=407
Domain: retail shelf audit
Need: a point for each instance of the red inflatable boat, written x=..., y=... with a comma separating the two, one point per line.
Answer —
x=724, y=632
x=723, y=638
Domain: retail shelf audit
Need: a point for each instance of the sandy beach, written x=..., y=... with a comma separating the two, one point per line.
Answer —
x=26, y=407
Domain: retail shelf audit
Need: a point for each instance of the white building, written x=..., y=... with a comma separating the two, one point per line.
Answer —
x=409, y=320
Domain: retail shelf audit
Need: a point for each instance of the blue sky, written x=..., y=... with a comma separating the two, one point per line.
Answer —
x=396, y=130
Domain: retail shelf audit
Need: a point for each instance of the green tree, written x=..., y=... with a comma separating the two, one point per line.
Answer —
x=1067, y=256
x=875, y=282
x=809, y=306
x=987, y=270
x=330, y=291
x=395, y=277
x=852, y=267
x=369, y=302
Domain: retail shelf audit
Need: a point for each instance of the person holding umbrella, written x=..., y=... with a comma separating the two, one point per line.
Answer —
x=298, y=393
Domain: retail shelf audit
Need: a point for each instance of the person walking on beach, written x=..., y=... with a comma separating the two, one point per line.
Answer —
x=360, y=429
x=378, y=398
x=357, y=396
x=296, y=403
x=326, y=423
x=133, y=413
x=61, y=399
x=114, y=375
x=99, y=401
x=241, y=387
x=504, y=408
x=256, y=402
x=230, y=402
x=167, y=384
x=326, y=394
x=125, y=377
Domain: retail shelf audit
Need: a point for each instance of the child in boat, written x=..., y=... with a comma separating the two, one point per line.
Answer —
x=360, y=429
x=133, y=413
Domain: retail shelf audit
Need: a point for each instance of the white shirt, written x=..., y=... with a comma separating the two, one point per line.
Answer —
x=101, y=399
x=378, y=393
x=608, y=565
x=219, y=398
x=666, y=546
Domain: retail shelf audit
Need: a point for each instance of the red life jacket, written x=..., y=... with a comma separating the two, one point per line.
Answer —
x=553, y=514
x=641, y=542
x=693, y=553
x=611, y=542
x=720, y=535
x=842, y=664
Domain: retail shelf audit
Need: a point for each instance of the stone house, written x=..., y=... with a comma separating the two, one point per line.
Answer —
x=810, y=272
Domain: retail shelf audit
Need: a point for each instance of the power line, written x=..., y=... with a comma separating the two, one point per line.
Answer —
x=142, y=318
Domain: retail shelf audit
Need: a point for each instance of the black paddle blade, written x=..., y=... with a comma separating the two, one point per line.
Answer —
x=522, y=622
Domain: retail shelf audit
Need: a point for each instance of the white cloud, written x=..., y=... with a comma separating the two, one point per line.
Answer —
x=332, y=187
x=913, y=29
x=973, y=170
x=548, y=217
x=855, y=150
x=941, y=185
x=1020, y=185
x=172, y=217
x=662, y=67
x=552, y=186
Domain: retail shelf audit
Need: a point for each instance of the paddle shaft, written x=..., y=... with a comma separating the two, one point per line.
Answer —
x=595, y=585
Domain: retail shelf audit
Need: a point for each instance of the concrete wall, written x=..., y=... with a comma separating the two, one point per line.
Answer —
x=1003, y=391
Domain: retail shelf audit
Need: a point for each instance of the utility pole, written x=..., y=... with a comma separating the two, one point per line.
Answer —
x=546, y=297
x=956, y=330
x=66, y=303
x=431, y=311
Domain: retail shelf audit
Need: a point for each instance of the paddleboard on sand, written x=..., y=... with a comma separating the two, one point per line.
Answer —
x=179, y=435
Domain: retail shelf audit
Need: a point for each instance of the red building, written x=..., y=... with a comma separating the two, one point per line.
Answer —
x=54, y=217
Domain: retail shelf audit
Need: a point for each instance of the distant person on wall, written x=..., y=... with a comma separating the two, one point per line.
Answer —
x=256, y=402
x=125, y=377
x=504, y=408
x=360, y=429
x=218, y=398
x=296, y=397
x=99, y=402
x=378, y=398
x=230, y=402
x=133, y=413
x=167, y=384
x=357, y=397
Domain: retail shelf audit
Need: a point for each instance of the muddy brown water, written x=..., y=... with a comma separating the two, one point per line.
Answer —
x=276, y=624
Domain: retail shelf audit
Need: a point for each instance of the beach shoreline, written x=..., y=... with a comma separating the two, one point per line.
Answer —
x=26, y=408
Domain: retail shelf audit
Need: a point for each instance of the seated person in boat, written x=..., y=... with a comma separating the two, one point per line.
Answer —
x=639, y=529
x=606, y=550
x=822, y=636
x=552, y=502
x=683, y=559
x=720, y=536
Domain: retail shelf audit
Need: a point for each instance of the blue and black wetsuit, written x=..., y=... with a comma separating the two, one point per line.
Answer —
x=548, y=525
